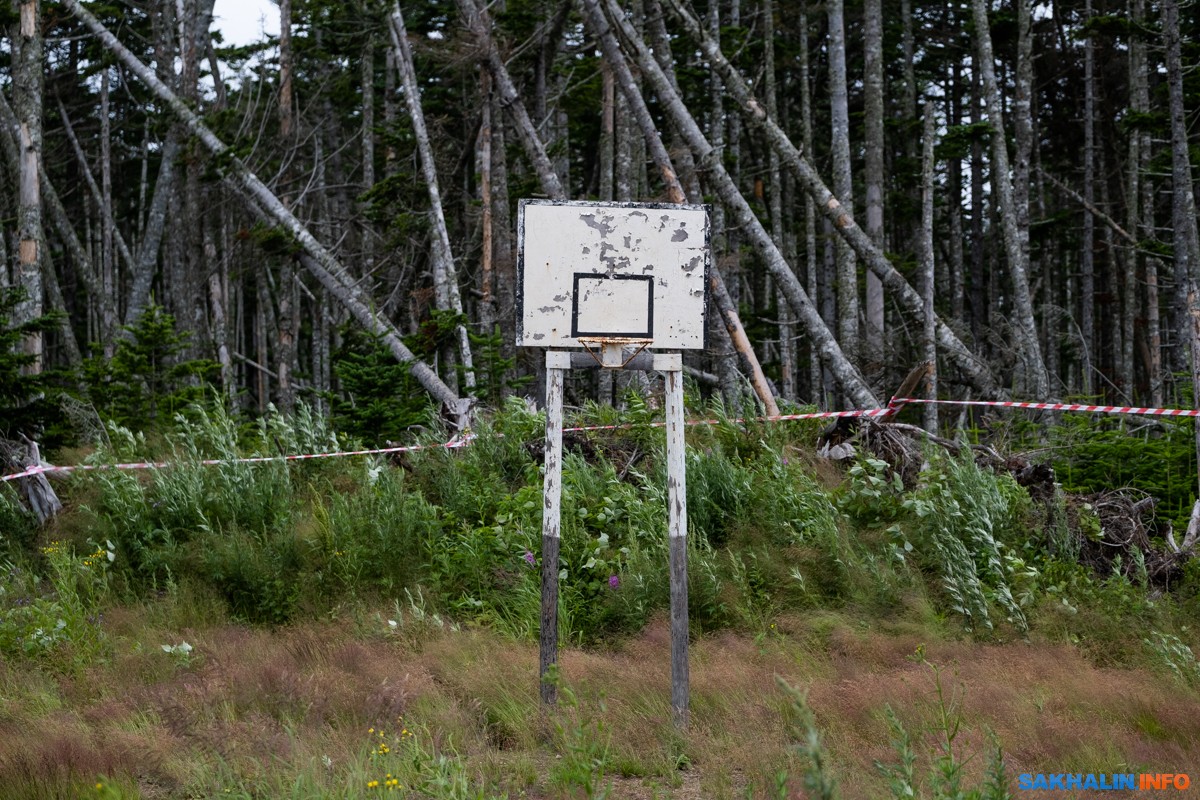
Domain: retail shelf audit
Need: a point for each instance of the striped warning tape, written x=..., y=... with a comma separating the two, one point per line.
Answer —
x=1129, y=410
x=894, y=405
x=457, y=441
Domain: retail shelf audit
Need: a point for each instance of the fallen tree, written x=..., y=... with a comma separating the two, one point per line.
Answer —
x=319, y=261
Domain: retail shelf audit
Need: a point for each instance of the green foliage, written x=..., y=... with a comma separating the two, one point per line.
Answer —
x=584, y=742
x=945, y=780
x=56, y=619
x=874, y=493
x=962, y=516
x=1175, y=656
x=23, y=405
x=146, y=382
x=1095, y=455
x=380, y=399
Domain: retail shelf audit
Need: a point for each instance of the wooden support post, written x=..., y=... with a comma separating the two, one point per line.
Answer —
x=557, y=363
x=672, y=365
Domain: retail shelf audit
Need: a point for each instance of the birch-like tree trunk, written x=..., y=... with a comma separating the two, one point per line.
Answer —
x=873, y=163
x=843, y=187
x=108, y=268
x=810, y=212
x=1186, y=238
x=1037, y=382
x=675, y=191
x=27, y=84
x=1087, y=264
x=787, y=344
x=480, y=25
x=445, y=279
x=266, y=206
x=709, y=160
x=831, y=207
x=929, y=328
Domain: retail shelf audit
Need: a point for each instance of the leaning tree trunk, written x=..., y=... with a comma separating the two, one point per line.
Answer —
x=1038, y=382
x=708, y=159
x=641, y=113
x=27, y=103
x=975, y=371
x=480, y=24
x=445, y=279
x=315, y=257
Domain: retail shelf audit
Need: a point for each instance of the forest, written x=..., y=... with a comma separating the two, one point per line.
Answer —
x=1006, y=191
x=220, y=260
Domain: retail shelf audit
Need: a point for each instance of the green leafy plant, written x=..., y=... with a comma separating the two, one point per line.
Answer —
x=147, y=380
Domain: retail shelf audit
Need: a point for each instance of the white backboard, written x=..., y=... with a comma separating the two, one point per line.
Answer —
x=612, y=271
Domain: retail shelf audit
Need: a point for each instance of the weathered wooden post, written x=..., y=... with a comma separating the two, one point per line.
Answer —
x=613, y=280
x=551, y=521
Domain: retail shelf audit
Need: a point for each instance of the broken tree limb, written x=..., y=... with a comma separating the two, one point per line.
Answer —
x=314, y=256
x=730, y=318
x=709, y=161
x=973, y=369
x=445, y=277
x=480, y=25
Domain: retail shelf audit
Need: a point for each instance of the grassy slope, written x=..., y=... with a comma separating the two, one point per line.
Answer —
x=257, y=712
x=297, y=709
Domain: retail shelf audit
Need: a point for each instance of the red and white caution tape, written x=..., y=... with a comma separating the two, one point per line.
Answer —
x=457, y=441
x=1130, y=410
x=893, y=406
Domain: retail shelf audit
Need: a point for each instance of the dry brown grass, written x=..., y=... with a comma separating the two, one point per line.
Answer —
x=257, y=704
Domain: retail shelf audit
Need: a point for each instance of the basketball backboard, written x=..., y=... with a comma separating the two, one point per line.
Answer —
x=611, y=272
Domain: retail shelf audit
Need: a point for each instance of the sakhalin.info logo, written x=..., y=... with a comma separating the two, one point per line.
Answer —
x=1128, y=781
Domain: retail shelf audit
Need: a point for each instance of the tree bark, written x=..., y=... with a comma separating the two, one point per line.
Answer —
x=1087, y=268
x=873, y=163
x=1186, y=238
x=675, y=193
x=929, y=329
x=709, y=160
x=843, y=187
x=314, y=256
x=27, y=103
x=479, y=23
x=445, y=279
x=975, y=371
x=1003, y=178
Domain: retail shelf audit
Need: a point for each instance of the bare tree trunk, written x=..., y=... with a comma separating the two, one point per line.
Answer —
x=445, y=279
x=1015, y=240
x=675, y=192
x=316, y=258
x=108, y=269
x=707, y=159
x=1140, y=101
x=841, y=221
x=156, y=225
x=847, y=269
x=480, y=25
x=1087, y=270
x=483, y=145
x=810, y=211
x=220, y=329
x=1183, y=195
x=367, y=82
x=27, y=104
x=787, y=344
x=873, y=166
x=954, y=210
x=53, y=204
x=929, y=331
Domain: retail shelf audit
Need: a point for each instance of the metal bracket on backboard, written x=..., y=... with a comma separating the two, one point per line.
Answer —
x=609, y=351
